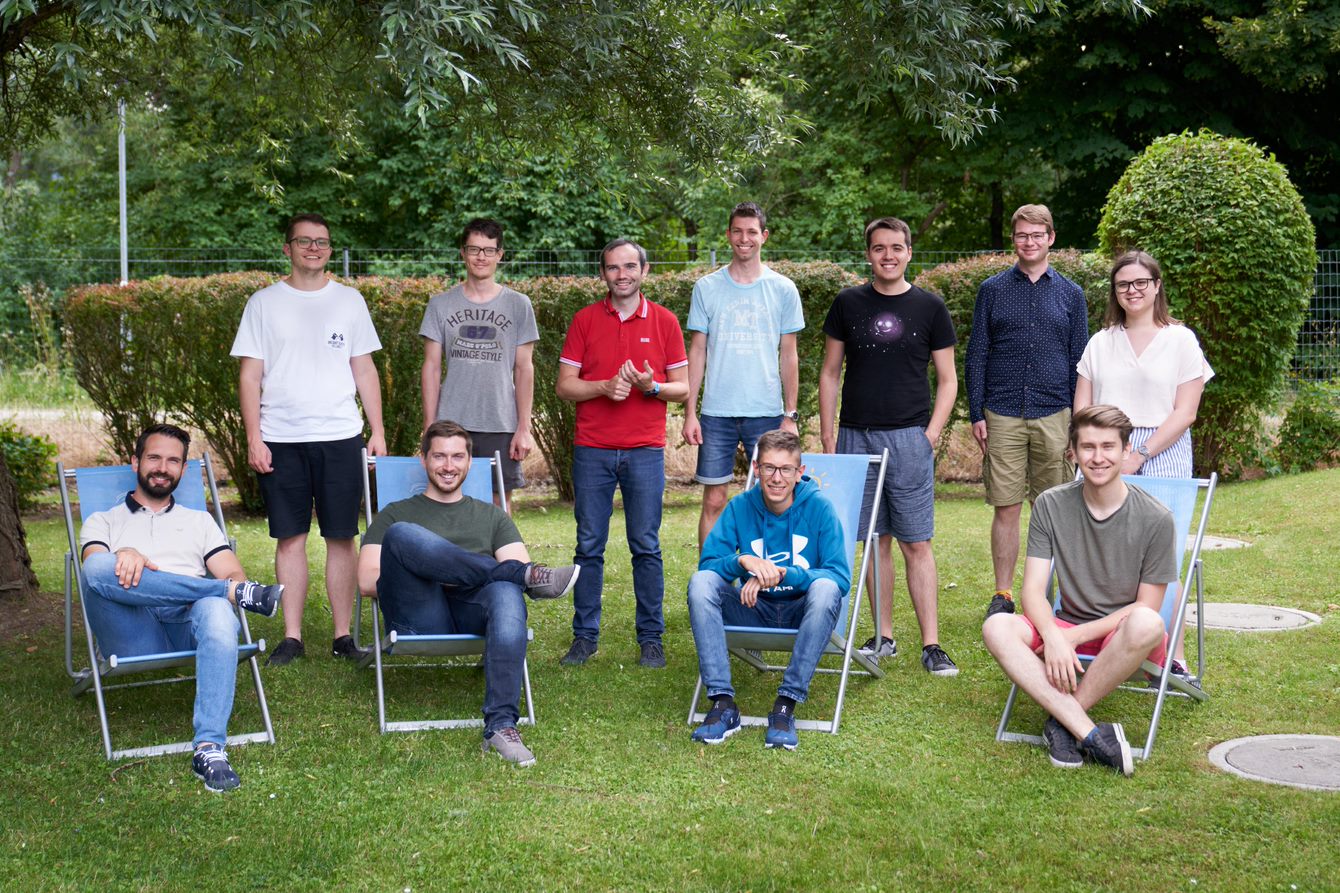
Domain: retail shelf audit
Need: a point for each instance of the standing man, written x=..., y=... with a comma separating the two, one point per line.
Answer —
x=148, y=564
x=1113, y=550
x=888, y=331
x=744, y=318
x=482, y=334
x=1029, y=329
x=623, y=360
x=306, y=346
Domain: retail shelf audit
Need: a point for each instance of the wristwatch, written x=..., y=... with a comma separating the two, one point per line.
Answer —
x=655, y=390
x=1143, y=451
x=793, y=415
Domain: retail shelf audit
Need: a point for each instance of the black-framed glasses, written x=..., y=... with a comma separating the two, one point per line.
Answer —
x=306, y=242
x=1133, y=285
x=476, y=251
x=787, y=471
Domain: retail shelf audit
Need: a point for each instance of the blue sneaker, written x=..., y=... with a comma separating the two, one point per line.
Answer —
x=210, y=764
x=781, y=729
x=722, y=721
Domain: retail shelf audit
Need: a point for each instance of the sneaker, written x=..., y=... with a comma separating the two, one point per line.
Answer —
x=507, y=743
x=1181, y=672
x=543, y=581
x=1000, y=604
x=886, y=648
x=1062, y=745
x=653, y=656
x=781, y=729
x=722, y=721
x=287, y=650
x=1107, y=744
x=344, y=647
x=936, y=662
x=258, y=598
x=210, y=765
x=580, y=652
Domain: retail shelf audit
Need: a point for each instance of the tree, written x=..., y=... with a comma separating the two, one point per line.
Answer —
x=16, y=566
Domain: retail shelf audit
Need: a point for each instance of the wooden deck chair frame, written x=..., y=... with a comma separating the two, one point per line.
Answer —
x=484, y=480
x=1180, y=495
x=748, y=643
x=98, y=489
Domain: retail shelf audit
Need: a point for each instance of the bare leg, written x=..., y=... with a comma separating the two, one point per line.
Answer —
x=884, y=555
x=1005, y=543
x=714, y=503
x=291, y=570
x=923, y=585
x=341, y=579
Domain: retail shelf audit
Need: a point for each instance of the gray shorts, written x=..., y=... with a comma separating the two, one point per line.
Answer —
x=487, y=443
x=907, y=503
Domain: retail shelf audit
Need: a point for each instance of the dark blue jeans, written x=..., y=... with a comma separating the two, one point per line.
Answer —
x=430, y=586
x=640, y=476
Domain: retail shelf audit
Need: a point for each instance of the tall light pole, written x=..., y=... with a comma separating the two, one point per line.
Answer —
x=121, y=173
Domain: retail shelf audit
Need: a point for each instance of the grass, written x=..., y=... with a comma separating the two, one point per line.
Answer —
x=34, y=386
x=914, y=792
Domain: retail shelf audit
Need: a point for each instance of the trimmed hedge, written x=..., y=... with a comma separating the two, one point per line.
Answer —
x=158, y=350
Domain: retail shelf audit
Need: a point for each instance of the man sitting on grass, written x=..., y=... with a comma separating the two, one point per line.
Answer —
x=442, y=562
x=1113, y=547
x=784, y=539
x=146, y=589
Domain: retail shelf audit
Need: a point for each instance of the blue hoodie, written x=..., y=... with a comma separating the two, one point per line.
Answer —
x=806, y=540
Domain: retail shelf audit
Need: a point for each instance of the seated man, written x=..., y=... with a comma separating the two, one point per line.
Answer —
x=785, y=539
x=441, y=562
x=1113, y=547
x=146, y=589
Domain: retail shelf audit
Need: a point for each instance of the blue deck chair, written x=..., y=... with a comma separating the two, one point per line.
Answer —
x=1180, y=495
x=399, y=477
x=842, y=481
x=99, y=489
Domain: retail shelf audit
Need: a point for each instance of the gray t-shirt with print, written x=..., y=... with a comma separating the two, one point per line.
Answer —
x=479, y=343
x=1101, y=564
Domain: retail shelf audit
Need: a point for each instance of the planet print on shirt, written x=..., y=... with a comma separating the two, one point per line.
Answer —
x=888, y=327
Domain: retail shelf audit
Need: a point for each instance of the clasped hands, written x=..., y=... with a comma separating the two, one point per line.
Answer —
x=627, y=378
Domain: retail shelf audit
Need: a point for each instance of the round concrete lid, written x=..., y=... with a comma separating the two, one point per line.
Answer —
x=1300, y=761
x=1252, y=618
x=1213, y=543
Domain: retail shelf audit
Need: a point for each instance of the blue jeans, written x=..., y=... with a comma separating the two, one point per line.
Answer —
x=640, y=476
x=715, y=604
x=170, y=612
x=431, y=586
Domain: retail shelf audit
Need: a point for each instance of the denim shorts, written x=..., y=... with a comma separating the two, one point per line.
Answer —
x=907, y=503
x=716, y=456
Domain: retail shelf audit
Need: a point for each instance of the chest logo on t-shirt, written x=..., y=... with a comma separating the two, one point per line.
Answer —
x=887, y=327
x=795, y=556
x=336, y=340
x=477, y=343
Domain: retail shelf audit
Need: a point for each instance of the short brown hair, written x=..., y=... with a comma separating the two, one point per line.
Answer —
x=748, y=209
x=1039, y=214
x=304, y=218
x=444, y=428
x=779, y=441
x=1116, y=315
x=892, y=223
x=1100, y=415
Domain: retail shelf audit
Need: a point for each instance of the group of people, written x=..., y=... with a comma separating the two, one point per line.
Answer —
x=774, y=556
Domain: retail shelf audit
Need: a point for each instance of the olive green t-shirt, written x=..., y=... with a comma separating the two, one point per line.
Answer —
x=475, y=526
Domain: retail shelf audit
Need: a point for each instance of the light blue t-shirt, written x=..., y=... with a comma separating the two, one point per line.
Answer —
x=744, y=325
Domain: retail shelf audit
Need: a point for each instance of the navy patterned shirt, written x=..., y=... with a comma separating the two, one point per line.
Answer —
x=1026, y=339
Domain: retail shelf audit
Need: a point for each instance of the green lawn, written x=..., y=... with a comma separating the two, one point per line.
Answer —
x=913, y=794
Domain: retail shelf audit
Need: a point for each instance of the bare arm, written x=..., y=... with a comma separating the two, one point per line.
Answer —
x=1185, y=406
x=1083, y=393
x=790, y=369
x=693, y=430
x=430, y=379
x=224, y=565
x=571, y=386
x=946, y=389
x=523, y=380
x=830, y=375
x=370, y=392
x=513, y=552
x=1058, y=650
x=249, y=396
x=1149, y=594
x=369, y=569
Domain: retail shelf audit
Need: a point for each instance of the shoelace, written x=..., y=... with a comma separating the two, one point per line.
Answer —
x=210, y=757
x=510, y=734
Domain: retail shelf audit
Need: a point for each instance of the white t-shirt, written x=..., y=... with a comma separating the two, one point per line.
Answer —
x=1143, y=387
x=306, y=340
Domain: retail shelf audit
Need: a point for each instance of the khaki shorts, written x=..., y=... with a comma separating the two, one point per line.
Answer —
x=1025, y=456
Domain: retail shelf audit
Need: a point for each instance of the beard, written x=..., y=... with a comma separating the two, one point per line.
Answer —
x=157, y=491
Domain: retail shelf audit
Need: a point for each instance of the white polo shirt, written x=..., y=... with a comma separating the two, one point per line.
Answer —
x=178, y=539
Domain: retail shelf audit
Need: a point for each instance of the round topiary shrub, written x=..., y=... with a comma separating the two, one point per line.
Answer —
x=1238, y=254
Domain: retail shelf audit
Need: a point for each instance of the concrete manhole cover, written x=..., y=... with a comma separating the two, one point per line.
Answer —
x=1300, y=761
x=1252, y=618
x=1213, y=543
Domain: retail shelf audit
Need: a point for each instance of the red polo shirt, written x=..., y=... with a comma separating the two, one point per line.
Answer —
x=597, y=344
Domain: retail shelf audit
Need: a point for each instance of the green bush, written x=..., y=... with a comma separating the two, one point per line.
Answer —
x=1310, y=435
x=30, y=458
x=957, y=282
x=1238, y=255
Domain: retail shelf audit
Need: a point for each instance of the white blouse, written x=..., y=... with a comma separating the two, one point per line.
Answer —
x=1143, y=387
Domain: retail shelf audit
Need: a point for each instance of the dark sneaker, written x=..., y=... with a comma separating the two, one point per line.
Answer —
x=1107, y=744
x=781, y=729
x=1000, y=604
x=579, y=653
x=653, y=655
x=936, y=662
x=287, y=650
x=210, y=765
x=1181, y=672
x=886, y=648
x=1063, y=747
x=507, y=744
x=344, y=647
x=722, y=721
x=543, y=581
x=258, y=598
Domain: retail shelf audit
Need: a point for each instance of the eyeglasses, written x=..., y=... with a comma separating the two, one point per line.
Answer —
x=475, y=251
x=1133, y=285
x=786, y=471
x=1025, y=238
x=304, y=242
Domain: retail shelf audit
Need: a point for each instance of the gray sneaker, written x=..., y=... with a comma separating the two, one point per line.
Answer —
x=507, y=743
x=886, y=647
x=580, y=652
x=543, y=581
x=1061, y=745
x=1107, y=744
x=936, y=662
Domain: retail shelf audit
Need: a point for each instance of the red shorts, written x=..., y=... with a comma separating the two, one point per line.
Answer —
x=1094, y=646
